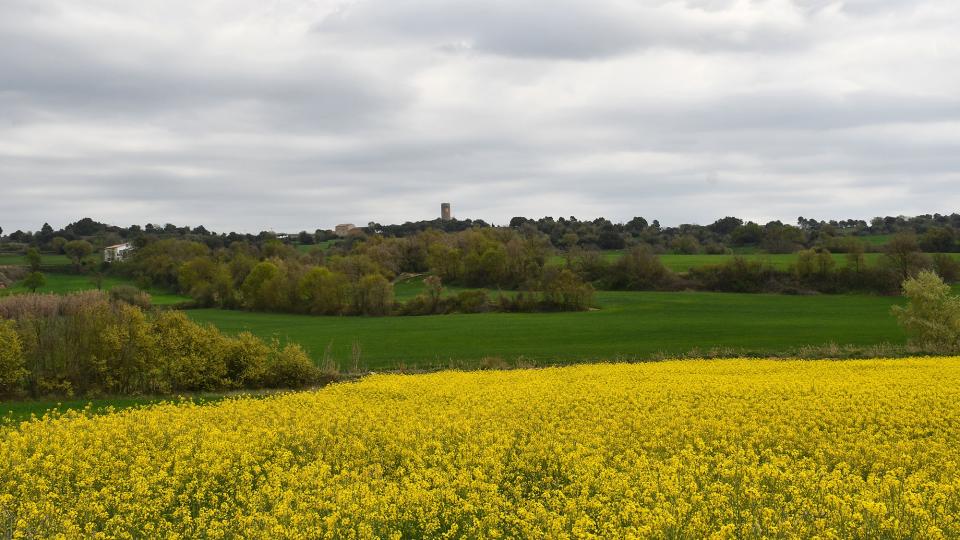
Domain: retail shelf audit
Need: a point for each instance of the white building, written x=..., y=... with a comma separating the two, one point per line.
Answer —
x=117, y=253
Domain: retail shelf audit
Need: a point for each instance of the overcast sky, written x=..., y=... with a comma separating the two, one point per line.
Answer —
x=299, y=114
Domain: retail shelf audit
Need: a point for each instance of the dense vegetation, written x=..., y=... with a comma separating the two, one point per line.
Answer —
x=358, y=281
x=89, y=343
x=693, y=449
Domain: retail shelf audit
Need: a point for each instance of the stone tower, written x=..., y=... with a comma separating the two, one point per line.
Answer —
x=445, y=211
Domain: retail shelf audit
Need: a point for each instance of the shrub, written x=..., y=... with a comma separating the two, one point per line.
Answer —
x=193, y=355
x=130, y=295
x=476, y=301
x=248, y=361
x=290, y=367
x=640, y=269
x=946, y=267
x=12, y=369
x=932, y=316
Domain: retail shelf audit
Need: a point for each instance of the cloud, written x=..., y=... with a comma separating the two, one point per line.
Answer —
x=299, y=114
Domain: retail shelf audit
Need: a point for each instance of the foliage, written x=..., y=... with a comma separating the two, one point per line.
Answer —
x=130, y=295
x=91, y=343
x=11, y=358
x=692, y=449
x=34, y=280
x=77, y=250
x=932, y=316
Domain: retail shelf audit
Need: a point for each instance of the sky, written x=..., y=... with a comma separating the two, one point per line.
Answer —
x=291, y=115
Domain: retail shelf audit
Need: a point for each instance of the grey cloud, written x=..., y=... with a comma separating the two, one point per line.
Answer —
x=682, y=111
x=560, y=29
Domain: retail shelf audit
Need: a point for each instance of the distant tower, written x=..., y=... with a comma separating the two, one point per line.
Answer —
x=445, y=211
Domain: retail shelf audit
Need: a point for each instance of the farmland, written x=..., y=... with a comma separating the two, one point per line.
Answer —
x=692, y=449
x=47, y=260
x=60, y=283
x=627, y=325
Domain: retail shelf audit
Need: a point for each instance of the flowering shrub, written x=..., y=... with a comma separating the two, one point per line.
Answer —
x=692, y=449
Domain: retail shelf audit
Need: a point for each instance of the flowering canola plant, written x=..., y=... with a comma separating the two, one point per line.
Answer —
x=680, y=449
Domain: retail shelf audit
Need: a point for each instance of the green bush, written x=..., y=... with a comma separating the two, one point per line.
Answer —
x=290, y=367
x=932, y=316
x=12, y=371
x=248, y=361
x=193, y=356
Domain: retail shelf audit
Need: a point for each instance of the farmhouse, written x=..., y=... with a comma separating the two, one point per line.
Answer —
x=117, y=252
x=344, y=229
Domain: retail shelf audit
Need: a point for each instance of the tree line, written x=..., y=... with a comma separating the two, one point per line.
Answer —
x=815, y=270
x=357, y=279
x=936, y=233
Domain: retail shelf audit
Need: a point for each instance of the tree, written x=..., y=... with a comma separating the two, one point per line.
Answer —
x=938, y=240
x=57, y=244
x=34, y=280
x=323, y=292
x=373, y=295
x=932, y=317
x=902, y=254
x=434, y=290
x=77, y=250
x=45, y=234
x=33, y=259
x=726, y=225
x=257, y=290
x=855, y=258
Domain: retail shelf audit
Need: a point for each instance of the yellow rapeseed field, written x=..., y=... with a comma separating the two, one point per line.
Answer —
x=686, y=449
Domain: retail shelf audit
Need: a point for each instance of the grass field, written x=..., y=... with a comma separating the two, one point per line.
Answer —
x=729, y=448
x=628, y=325
x=46, y=259
x=68, y=283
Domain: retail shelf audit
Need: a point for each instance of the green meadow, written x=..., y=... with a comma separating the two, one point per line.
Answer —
x=627, y=326
x=67, y=283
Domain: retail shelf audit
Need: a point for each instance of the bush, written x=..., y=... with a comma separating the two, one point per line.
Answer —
x=130, y=295
x=248, y=361
x=193, y=356
x=932, y=316
x=946, y=267
x=472, y=301
x=290, y=367
x=12, y=371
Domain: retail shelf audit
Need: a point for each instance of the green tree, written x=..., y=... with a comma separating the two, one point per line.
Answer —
x=938, y=240
x=57, y=244
x=373, y=295
x=323, y=292
x=903, y=256
x=33, y=259
x=931, y=318
x=34, y=281
x=257, y=288
x=855, y=258
x=77, y=250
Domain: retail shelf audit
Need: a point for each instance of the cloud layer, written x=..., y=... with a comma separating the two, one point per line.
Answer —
x=300, y=114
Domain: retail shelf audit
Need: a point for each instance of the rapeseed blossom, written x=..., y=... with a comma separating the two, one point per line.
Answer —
x=682, y=449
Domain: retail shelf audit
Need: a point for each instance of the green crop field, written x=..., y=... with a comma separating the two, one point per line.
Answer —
x=47, y=259
x=68, y=283
x=629, y=325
